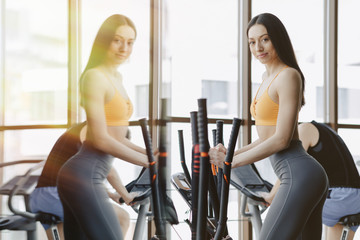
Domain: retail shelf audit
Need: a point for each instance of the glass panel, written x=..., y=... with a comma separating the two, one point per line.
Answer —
x=200, y=55
x=351, y=138
x=36, y=62
x=308, y=43
x=348, y=64
x=136, y=70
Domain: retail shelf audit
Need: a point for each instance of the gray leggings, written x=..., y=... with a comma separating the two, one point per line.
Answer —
x=88, y=214
x=295, y=212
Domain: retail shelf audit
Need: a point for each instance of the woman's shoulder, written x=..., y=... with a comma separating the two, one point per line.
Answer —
x=93, y=78
x=289, y=76
x=93, y=73
x=291, y=72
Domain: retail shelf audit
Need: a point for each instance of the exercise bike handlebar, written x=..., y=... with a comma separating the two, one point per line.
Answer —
x=204, y=147
x=226, y=181
x=139, y=198
x=160, y=228
x=20, y=183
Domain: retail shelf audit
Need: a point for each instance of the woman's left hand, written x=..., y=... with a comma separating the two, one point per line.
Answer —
x=217, y=155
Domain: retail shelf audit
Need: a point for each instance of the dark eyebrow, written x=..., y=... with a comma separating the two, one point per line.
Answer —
x=117, y=35
x=261, y=35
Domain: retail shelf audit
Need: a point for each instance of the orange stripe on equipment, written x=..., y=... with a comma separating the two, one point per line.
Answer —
x=153, y=163
x=163, y=154
x=213, y=169
x=226, y=179
x=204, y=154
x=227, y=163
x=154, y=177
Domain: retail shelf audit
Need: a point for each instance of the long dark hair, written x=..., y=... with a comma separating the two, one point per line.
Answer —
x=281, y=42
x=104, y=37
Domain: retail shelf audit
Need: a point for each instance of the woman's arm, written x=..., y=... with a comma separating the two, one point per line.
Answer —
x=115, y=181
x=288, y=88
x=94, y=89
x=248, y=147
x=133, y=146
x=270, y=196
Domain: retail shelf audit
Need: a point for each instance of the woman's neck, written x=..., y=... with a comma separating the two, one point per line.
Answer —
x=110, y=69
x=274, y=67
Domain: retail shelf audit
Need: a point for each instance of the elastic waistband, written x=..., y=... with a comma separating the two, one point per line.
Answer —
x=88, y=147
x=295, y=149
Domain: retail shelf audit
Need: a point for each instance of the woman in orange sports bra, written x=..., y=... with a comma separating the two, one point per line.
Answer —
x=295, y=212
x=87, y=212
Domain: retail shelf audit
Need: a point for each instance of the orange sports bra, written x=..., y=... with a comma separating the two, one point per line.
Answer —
x=264, y=110
x=118, y=110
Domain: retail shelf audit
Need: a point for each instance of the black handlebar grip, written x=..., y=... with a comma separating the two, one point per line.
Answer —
x=214, y=137
x=202, y=126
x=226, y=181
x=233, y=138
x=160, y=228
x=182, y=155
x=219, y=132
x=147, y=140
x=204, y=169
x=194, y=127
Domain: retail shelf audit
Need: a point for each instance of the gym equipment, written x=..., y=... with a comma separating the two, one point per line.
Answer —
x=226, y=179
x=348, y=221
x=141, y=202
x=247, y=180
x=206, y=226
x=163, y=208
x=23, y=185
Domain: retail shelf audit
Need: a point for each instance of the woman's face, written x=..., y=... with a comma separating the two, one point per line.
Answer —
x=260, y=44
x=121, y=46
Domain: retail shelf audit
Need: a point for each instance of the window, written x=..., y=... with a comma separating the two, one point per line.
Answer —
x=348, y=63
x=35, y=62
x=351, y=138
x=200, y=44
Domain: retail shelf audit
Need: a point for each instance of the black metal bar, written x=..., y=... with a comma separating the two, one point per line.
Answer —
x=182, y=155
x=226, y=181
x=156, y=199
x=219, y=132
x=204, y=169
x=195, y=170
x=162, y=166
x=219, y=139
x=214, y=137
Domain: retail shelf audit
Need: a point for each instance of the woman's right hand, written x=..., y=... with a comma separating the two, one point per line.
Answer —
x=217, y=155
x=130, y=197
